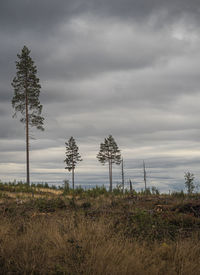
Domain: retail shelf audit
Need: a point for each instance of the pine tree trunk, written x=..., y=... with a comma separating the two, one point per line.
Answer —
x=131, y=186
x=73, y=178
x=145, y=178
x=110, y=174
x=123, y=175
x=27, y=141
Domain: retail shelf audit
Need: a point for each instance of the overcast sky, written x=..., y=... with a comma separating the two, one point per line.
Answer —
x=130, y=68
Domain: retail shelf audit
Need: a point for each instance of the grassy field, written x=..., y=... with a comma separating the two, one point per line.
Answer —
x=94, y=232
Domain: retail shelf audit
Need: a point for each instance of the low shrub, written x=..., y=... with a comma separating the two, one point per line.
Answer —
x=48, y=205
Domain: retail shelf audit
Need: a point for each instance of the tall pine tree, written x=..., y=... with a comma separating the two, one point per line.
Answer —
x=109, y=153
x=72, y=157
x=26, y=97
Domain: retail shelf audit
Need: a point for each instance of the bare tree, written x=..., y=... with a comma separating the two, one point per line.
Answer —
x=145, y=176
x=122, y=163
x=131, y=186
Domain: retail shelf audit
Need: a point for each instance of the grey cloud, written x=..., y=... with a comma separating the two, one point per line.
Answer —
x=126, y=68
x=38, y=15
x=157, y=13
x=101, y=49
x=9, y=128
x=46, y=14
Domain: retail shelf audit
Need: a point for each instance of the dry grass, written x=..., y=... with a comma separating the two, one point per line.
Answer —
x=48, y=190
x=59, y=246
x=70, y=241
x=40, y=193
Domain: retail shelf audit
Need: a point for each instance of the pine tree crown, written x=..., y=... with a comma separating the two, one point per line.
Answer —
x=72, y=154
x=109, y=151
x=26, y=83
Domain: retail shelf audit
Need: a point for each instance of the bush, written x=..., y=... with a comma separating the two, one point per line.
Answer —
x=49, y=205
x=97, y=191
x=86, y=205
x=180, y=194
x=78, y=191
x=66, y=187
x=118, y=190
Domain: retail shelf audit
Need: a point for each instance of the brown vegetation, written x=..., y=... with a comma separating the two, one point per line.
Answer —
x=104, y=235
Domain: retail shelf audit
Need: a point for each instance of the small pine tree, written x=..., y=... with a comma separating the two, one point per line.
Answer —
x=189, y=182
x=72, y=157
x=26, y=97
x=109, y=153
